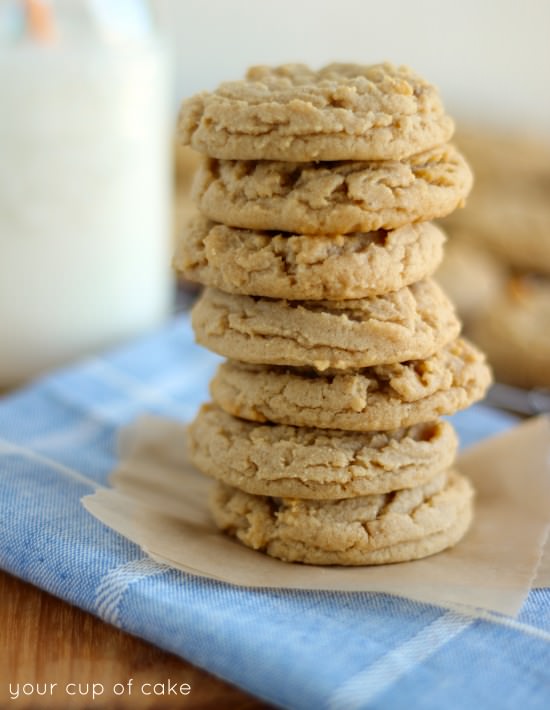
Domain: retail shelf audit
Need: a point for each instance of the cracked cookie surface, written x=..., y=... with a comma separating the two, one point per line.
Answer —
x=376, y=398
x=410, y=323
x=293, y=113
x=333, y=198
x=301, y=462
x=377, y=529
x=295, y=266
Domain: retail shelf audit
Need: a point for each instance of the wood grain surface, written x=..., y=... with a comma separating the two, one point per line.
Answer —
x=45, y=641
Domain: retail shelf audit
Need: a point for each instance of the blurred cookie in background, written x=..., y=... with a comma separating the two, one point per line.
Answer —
x=497, y=265
x=515, y=332
x=186, y=161
x=505, y=157
x=508, y=211
x=472, y=276
x=514, y=223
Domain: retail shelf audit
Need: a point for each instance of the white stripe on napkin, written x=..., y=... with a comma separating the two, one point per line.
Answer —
x=8, y=447
x=114, y=585
x=366, y=685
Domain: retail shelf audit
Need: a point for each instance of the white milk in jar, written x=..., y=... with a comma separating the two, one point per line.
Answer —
x=84, y=198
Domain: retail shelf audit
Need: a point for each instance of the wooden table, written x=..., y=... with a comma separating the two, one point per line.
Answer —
x=43, y=640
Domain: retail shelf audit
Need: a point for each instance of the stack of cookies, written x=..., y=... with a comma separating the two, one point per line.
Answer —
x=316, y=250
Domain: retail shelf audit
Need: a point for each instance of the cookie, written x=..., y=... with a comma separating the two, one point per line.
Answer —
x=186, y=162
x=183, y=207
x=293, y=113
x=513, y=222
x=470, y=275
x=491, y=153
x=377, y=529
x=515, y=333
x=294, y=266
x=410, y=323
x=509, y=208
x=370, y=399
x=333, y=198
x=301, y=462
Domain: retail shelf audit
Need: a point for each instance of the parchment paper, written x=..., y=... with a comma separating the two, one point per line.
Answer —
x=158, y=500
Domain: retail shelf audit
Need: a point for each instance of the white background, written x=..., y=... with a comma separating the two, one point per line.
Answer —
x=489, y=58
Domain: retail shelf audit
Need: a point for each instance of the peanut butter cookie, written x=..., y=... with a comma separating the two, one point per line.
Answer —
x=302, y=462
x=341, y=112
x=294, y=266
x=333, y=198
x=370, y=399
x=378, y=529
x=515, y=333
x=402, y=325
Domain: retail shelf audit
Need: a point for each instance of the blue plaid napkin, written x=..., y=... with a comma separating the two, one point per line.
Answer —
x=296, y=649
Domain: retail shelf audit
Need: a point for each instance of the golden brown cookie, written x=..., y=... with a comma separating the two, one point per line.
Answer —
x=511, y=221
x=509, y=208
x=293, y=113
x=333, y=198
x=515, y=333
x=185, y=165
x=378, y=529
x=491, y=153
x=294, y=266
x=471, y=276
x=302, y=462
x=410, y=323
x=375, y=398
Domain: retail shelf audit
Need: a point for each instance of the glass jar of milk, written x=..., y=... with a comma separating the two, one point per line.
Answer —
x=84, y=191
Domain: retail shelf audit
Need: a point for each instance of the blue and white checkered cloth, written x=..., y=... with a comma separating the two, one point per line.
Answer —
x=297, y=649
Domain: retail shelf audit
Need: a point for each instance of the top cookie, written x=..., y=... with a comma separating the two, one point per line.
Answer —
x=341, y=112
